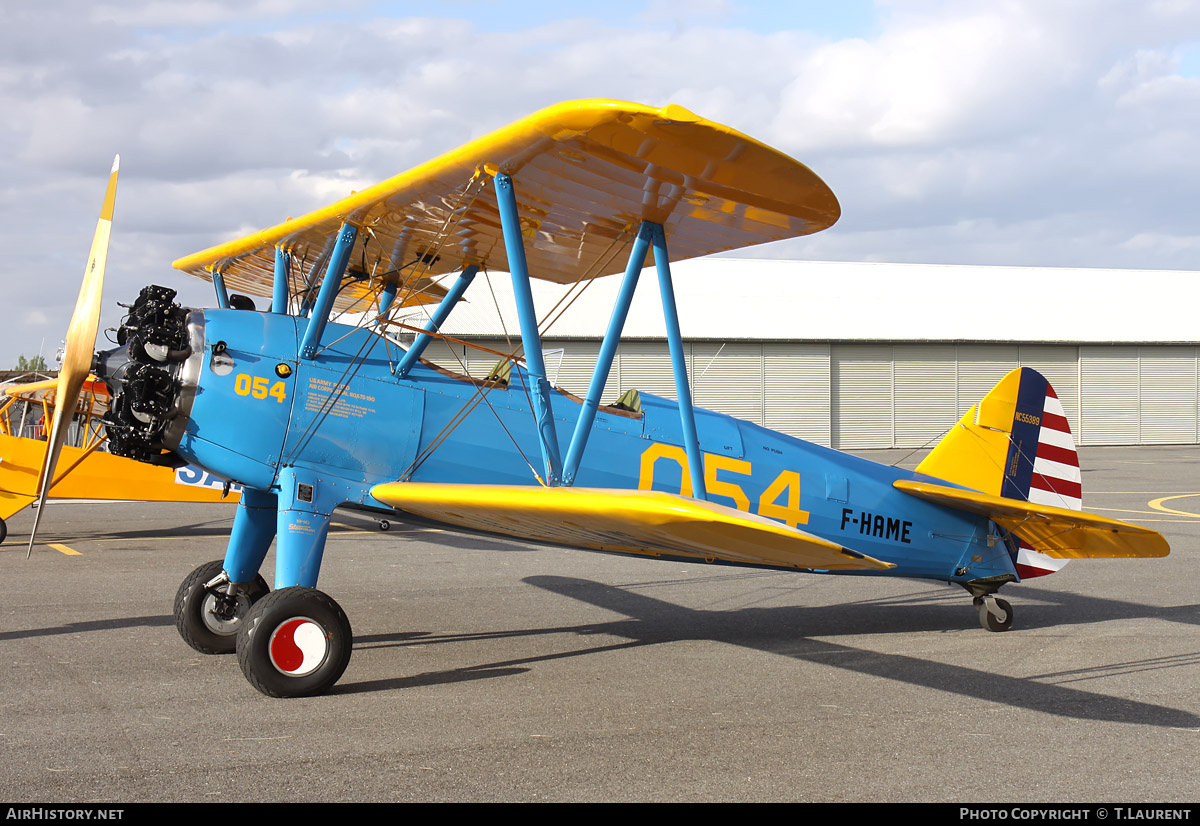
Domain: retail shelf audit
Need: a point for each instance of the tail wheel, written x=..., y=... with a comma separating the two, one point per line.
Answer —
x=207, y=618
x=995, y=614
x=295, y=642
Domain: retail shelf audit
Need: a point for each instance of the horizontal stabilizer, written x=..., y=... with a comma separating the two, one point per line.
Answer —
x=632, y=521
x=1056, y=532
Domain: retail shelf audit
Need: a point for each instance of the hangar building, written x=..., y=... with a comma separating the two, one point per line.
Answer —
x=872, y=355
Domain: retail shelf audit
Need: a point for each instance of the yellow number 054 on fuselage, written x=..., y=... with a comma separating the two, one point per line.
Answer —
x=788, y=481
x=259, y=388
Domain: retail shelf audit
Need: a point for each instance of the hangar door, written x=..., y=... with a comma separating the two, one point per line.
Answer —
x=1140, y=395
x=860, y=396
x=780, y=385
x=909, y=395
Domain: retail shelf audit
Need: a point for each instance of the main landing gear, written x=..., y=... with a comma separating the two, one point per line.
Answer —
x=207, y=615
x=294, y=642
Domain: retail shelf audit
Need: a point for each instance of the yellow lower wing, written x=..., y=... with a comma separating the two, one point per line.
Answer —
x=1057, y=532
x=632, y=521
x=13, y=503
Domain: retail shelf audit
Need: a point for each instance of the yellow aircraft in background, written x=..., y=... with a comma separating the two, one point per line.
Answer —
x=85, y=469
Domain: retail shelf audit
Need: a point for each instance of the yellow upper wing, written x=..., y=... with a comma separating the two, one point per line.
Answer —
x=632, y=521
x=586, y=173
x=95, y=393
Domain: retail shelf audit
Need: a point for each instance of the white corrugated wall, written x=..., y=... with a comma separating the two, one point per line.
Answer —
x=856, y=396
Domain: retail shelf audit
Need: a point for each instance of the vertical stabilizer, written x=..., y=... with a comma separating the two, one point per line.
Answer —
x=1015, y=443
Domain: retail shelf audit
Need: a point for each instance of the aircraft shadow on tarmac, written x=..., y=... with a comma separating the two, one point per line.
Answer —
x=790, y=631
x=89, y=626
x=18, y=537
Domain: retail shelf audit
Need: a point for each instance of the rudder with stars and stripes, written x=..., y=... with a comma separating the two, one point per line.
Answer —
x=1015, y=443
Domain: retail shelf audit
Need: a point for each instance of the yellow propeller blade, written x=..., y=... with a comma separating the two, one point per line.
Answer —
x=81, y=342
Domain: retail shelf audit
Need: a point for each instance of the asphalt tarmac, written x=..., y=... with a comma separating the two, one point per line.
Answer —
x=490, y=670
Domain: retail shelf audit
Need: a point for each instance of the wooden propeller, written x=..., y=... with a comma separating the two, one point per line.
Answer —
x=81, y=342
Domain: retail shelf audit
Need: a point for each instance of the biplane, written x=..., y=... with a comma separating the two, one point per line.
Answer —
x=310, y=413
x=86, y=469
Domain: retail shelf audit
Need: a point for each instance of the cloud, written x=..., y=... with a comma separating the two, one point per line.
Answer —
x=169, y=14
x=1005, y=131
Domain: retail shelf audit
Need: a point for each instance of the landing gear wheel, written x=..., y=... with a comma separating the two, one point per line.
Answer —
x=207, y=619
x=996, y=616
x=384, y=524
x=3, y=530
x=295, y=642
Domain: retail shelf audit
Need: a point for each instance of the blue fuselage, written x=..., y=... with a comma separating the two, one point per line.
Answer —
x=257, y=410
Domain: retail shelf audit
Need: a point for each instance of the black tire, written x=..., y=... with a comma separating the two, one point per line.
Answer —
x=991, y=622
x=202, y=629
x=384, y=524
x=273, y=659
x=3, y=530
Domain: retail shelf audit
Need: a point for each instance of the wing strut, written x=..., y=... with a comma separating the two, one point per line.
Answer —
x=608, y=351
x=650, y=234
x=449, y=301
x=279, y=286
x=535, y=366
x=328, y=292
x=219, y=288
x=687, y=414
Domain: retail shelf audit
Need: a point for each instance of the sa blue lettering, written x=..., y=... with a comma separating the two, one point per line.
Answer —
x=189, y=475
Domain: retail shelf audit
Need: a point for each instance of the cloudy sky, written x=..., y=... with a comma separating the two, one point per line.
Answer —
x=1060, y=133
